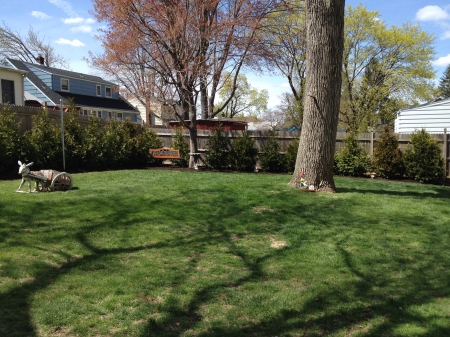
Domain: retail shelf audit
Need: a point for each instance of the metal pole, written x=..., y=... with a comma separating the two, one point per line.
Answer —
x=62, y=135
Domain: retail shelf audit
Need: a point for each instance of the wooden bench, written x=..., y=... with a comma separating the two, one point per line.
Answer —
x=165, y=153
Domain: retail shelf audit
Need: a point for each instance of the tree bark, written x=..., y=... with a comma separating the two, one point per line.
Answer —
x=325, y=43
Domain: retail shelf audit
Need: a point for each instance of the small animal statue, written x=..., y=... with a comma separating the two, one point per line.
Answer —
x=24, y=170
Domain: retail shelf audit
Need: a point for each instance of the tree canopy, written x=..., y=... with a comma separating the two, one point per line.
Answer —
x=444, y=83
x=383, y=68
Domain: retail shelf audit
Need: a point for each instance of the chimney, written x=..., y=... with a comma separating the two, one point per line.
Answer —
x=40, y=59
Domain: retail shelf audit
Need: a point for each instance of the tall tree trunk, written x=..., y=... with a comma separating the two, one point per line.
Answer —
x=325, y=42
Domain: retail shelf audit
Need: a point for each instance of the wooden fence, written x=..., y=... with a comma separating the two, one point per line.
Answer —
x=24, y=116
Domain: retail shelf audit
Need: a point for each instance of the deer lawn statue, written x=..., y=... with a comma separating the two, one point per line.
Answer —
x=45, y=180
x=24, y=170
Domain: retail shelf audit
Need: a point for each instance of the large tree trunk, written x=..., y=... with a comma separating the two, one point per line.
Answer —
x=325, y=41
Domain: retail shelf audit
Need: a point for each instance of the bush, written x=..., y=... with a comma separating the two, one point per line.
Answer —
x=44, y=143
x=291, y=155
x=423, y=159
x=10, y=140
x=353, y=160
x=145, y=140
x=180, y=143
x=387, y=156
x=218, y=147
x=243, y=154
x=74, y=135
x=93, y=142
x=270, y=158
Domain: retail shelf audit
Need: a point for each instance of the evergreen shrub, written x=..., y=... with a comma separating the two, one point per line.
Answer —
x=291, y=155
x=218, y=149
x=352, y=160
x=423, y=159
x=243, y=154
x=10, y=140
x=270, y=158
x=180, y=143
x=387, y=156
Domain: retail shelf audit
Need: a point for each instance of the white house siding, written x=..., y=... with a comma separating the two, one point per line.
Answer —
x=16, y=76
x=434, y=117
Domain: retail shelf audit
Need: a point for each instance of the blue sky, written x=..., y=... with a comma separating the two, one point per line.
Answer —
x=69, y=26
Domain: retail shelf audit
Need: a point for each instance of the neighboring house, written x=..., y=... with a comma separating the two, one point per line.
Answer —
x=92, y=95
x=433, y=117
x=12, y=86
x=151, y=116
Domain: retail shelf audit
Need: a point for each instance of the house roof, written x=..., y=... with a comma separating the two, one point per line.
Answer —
x=98, y=102
x=80, y=100
x=37, y=82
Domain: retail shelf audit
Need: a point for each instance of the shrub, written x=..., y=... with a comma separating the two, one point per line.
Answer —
x=218, y=147
x=291, y=155
x=270, y=158
x=423, y=159
x=243, y=154
x=387, y=156
x=180, y=143
x=93, y=143
x=10, y=140
x=145, y=140
x=73, y=138
x=44, y=143
x=353, y=160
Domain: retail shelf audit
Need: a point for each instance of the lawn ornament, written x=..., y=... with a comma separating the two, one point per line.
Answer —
x=45, y=180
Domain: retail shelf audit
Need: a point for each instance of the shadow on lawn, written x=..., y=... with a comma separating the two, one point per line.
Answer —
x=391, y=299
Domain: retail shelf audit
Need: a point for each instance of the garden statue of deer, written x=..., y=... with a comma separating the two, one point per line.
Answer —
x=24, y=170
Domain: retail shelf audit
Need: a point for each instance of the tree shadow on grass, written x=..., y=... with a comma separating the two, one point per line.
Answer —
x=368, y=302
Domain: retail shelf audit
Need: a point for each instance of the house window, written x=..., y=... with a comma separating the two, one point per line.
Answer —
x=99, y=114
x=119, y=116
x=99, y=90
x=85, y=113
x=8, y=92
x=108, y=92
x=64, y=84
x=109, y=114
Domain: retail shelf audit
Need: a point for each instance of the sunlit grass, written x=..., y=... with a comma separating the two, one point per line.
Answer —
x=186, y=253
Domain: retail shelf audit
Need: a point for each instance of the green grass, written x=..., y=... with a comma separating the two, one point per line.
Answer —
x=185, y=253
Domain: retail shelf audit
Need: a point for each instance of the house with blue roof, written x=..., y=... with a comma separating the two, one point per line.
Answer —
x=92, y=95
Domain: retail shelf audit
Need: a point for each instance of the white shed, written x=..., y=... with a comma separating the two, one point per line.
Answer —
x=12, y=86
x=434, y=117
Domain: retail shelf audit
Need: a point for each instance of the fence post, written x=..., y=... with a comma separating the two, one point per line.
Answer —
x=445, y=153
x=371, y=130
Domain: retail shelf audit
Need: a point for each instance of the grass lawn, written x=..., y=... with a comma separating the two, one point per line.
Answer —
x=184, y=253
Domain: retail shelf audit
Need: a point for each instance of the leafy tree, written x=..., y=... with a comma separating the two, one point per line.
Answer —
x=352, y=160
x=322, y=94
x=270, y=158
x=27, y=48
x=218, y=149
x=387, y=156
x=246, y=101
x=423, y=158
x=282, y=51
x=243, y=154
x=444, y=83
x=180, y=143
x=383, y=70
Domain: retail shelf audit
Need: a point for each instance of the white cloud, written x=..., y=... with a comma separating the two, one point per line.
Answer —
x=73, y=43
x=82, y=29
x=432, y=13
x=285, y=85
x=40, y=15
x=442, y=61
x=65, y=6
x=71, y=21
x=446, y=35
